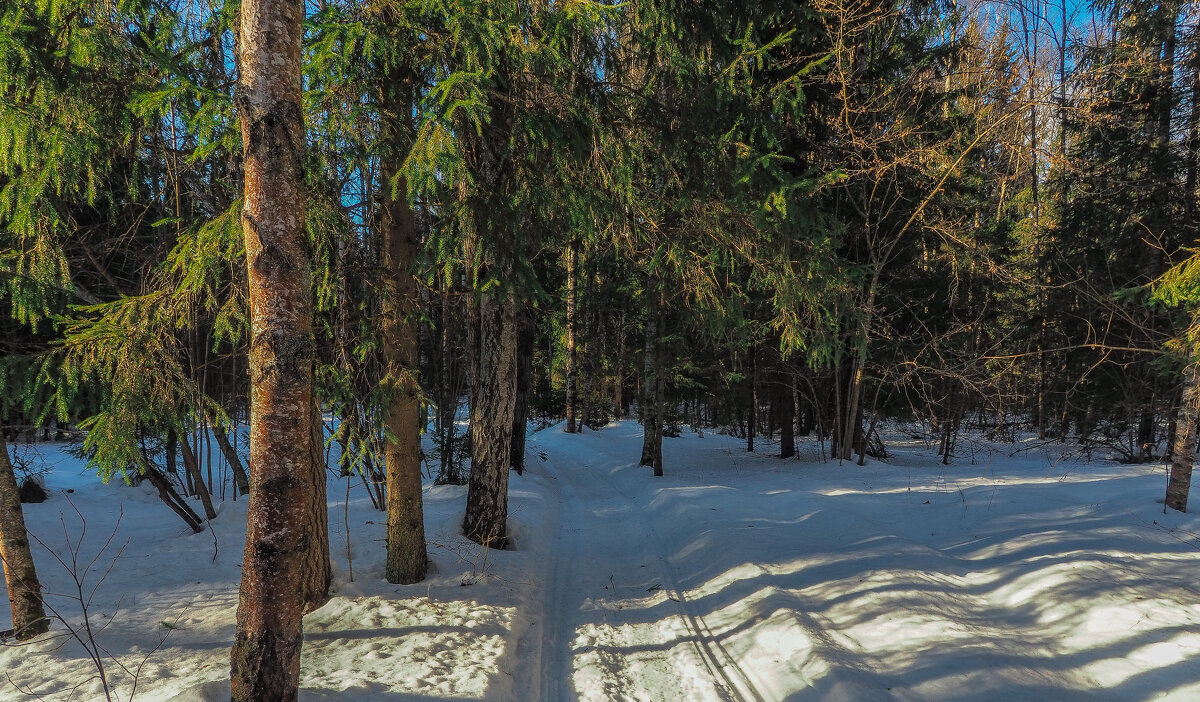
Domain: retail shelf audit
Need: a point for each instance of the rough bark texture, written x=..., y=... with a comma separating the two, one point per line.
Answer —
x=526, y=338
x=1180, y=481
x=406, y=558
x=282, y=572
x=493, y=398
x=24, y=590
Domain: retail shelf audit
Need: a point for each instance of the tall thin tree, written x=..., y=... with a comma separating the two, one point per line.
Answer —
x=283, y=572
x=406, y=557
x=572, y=341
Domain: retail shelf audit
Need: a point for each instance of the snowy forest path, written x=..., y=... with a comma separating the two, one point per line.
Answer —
x=616, y=624
x=739, y=577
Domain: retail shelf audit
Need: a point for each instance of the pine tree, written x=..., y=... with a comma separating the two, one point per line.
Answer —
x=285, y=569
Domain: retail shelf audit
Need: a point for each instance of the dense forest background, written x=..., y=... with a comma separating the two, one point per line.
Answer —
x=787, y=217
x=782, y=219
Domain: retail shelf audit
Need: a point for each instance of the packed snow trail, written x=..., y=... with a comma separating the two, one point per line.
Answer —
x=735, y=578
x=743, y=577
x=613, y=569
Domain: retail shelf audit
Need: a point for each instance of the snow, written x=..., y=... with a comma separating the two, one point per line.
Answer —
x=735, y=577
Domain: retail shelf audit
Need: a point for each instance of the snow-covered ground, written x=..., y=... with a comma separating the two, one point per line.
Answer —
x=736, y=577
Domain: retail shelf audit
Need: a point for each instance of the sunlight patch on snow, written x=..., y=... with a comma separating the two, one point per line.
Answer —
x=649, y=662
x=949, y=485
x=739, y=573
x=426, y=647
x=1162, y=654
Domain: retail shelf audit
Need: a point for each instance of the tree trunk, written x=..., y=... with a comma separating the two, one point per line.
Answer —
x=1064, y=38
x=586, y=382
x=281, y=572
x=619, y=370
x=171, y=447
x=660, y=383
x=170, y=498
x=651, y=420
x=1191, y=193
x=572, y=311
x=20, y=577
x=450, y=382
x=1180, y=481
x=317, y=568
x=587, y=368
x=752, y=420
x=493, y=401
x=1147, y=433
x=852, y=430
x=526, y=338
x=1172, y=424
x=406, y=558
x=787, y=418
x=240, y=478
x=193, y=468
x=1030, y=50
x=852, y=423
x=618, y=400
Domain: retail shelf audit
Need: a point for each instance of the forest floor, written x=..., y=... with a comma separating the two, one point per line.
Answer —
x=736, y=577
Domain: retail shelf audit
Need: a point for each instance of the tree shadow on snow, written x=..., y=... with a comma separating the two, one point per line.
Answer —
x=995, y=603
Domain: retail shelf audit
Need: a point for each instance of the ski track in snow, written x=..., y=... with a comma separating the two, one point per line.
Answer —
x=553, y=663
x=735, y=578
x=616, y=511
x=838, y=628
